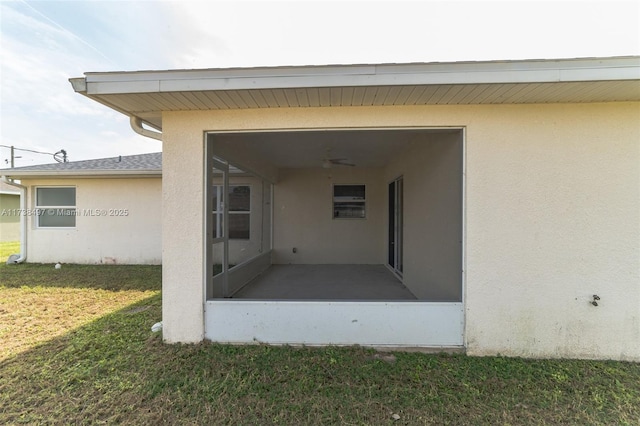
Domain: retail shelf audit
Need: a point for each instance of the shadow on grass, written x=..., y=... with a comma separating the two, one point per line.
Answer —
x=106, y=277
x=83, y=375
x=114, y=370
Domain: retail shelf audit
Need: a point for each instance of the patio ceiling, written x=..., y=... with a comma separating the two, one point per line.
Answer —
x=146, y=94
x=308, y=149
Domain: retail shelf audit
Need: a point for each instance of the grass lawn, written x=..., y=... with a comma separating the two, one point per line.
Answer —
x=77, y=348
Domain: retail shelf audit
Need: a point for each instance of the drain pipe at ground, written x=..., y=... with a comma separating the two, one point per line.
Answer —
x=23, y=222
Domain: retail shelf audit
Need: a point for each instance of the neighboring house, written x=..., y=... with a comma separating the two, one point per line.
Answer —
x=474, y=205
x=94, y=211
x=9, y=213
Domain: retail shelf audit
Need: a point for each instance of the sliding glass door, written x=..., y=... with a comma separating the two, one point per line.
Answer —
x=395, y=226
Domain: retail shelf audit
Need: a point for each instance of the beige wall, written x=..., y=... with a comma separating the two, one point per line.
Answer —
x=9, y=217
x=183, y=224
x=303, y=218
x=552, y=216
x=431, y=168
x=133, y=237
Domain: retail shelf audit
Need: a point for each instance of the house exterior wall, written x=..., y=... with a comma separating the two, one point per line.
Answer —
x=119, y=237
x=9, y=217
x=552, y=217
x=303, y=218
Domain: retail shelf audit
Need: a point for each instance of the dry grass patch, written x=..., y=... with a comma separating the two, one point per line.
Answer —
x=38, y=302
x=32, y=315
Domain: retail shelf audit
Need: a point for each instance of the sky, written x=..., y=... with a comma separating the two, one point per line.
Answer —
x=44, y=43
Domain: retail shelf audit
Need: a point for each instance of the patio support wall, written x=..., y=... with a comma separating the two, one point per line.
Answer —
x=183, y=232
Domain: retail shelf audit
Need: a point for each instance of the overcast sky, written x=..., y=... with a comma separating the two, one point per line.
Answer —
x=44, y=43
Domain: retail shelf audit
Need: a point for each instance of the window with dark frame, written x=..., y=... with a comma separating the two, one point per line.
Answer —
x=239, y=199
x=349, y=202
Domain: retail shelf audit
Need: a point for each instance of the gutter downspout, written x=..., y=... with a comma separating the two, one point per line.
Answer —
x=136, y=125
x=23, y=219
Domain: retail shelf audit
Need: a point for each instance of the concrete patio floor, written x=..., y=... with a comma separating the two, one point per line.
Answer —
x=325, y=282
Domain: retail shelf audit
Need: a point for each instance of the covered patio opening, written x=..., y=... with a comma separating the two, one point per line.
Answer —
x=358, y=220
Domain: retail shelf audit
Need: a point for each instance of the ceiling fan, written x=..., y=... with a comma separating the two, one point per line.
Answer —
x=329, y=162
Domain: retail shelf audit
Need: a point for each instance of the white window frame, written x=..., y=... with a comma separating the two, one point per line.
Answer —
x=335, y=200
x=218, y=210
x=41, y=210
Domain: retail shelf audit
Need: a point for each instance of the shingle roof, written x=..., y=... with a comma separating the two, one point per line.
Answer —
x=151, y=163
x=8, y=189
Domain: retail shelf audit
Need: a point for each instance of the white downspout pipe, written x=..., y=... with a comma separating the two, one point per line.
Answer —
x=23, y=218
x=136, y=125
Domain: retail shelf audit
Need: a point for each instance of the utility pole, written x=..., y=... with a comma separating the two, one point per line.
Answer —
x=13, y=156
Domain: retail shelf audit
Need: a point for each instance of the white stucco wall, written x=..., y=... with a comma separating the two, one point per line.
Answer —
x=129, y=232
x=552, y=216
x=183, y=224
x=303, y=218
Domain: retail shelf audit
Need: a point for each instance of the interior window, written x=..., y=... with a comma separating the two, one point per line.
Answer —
x=349, y=202
x=239, y=198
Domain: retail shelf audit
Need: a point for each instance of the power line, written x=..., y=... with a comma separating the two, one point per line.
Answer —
x=28, y=150
x=60, y=156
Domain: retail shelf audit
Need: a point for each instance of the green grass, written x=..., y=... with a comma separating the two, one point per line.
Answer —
x=7, y=248
x=106, y=366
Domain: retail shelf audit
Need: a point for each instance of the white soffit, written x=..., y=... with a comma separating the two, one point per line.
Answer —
x=146, y=93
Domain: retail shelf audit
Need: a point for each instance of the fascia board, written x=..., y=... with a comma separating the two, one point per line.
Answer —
x=355, y=76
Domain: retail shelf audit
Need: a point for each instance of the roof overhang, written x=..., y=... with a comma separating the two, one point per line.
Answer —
x=146, y=94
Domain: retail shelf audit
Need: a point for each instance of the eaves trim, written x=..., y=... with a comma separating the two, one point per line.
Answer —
x=571, y=70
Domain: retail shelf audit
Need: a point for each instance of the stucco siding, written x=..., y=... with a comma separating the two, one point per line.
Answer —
x=183, y=230
x=552, y=217
x=117, y=222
